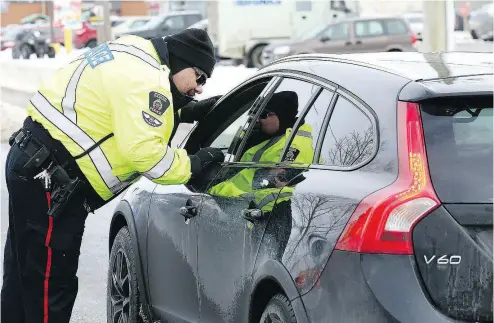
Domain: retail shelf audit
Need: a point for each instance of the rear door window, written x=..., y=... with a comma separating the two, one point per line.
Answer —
x=459, y=140
x=350, y=138
x=370, y=28
x=395, y=27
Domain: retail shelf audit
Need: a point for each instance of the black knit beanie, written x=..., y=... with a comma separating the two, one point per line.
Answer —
x=191, y=48
x=285, y=105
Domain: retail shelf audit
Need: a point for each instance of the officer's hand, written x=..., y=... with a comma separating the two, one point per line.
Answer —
x=204, y=158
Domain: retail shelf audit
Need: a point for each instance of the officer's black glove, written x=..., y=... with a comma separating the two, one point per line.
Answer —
x=197, y=110
x=204, y=158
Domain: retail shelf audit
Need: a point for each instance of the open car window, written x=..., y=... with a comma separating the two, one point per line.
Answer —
x=220, y=128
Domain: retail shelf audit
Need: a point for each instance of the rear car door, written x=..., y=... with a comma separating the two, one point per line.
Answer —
x=369, y=36
x=324, y=196
x=232, y=223
x=453, y=244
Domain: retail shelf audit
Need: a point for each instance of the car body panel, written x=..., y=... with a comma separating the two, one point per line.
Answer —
x=172, y=255
x=455, y=259
x=233, y=242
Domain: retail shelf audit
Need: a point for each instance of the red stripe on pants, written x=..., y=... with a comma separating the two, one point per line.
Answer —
x=48, y=261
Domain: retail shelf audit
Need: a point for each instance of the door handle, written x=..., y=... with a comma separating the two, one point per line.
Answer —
x=189, y=210
x=358, y=42
x=252, y=214
x=348, y=43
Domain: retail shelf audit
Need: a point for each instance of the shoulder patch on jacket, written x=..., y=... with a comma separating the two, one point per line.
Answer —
x=150, y=120
x=99, y=55
x=158, y=103
x=291, y=154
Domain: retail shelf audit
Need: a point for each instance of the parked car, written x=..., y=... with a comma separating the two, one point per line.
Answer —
x=168, y=24
x=391, y=222
x=130, y=23
x=85, y=35
x=351, y=35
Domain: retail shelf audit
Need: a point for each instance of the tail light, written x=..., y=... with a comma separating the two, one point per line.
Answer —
x=384, y=220
x=414, y=39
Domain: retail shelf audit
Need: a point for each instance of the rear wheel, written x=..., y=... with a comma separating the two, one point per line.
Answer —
x=92, y=43
x=278, y=310
x=122, y=289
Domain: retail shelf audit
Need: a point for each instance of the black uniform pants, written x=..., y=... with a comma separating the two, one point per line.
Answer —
x=41, y=256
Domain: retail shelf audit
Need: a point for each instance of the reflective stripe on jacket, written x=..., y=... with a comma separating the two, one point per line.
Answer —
x=240, y=185
x=117, y=88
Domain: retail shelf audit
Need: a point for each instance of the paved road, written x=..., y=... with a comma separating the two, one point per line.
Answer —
x=90, y=305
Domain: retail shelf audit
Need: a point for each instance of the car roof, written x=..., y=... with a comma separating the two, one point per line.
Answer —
x=414, y=66
x=422, y=75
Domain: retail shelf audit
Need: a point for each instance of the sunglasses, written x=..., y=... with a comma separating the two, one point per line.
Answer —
x=201, y=77
x=265, y=114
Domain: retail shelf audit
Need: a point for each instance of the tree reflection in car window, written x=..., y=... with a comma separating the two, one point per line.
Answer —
x=350, y=138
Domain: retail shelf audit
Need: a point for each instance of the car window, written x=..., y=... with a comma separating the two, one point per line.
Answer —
x=458, y=137
x=369, y=28
x=337, y=32
x=175, y=22
x=303, y=145
x=350, y=138
x=192, y=19
x=225, y=139
x=276, y=120
x=395, y=27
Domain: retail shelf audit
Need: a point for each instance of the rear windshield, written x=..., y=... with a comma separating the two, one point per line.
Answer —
x=458, y=138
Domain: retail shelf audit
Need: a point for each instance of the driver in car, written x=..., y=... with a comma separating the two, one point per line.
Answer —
x=272, y=131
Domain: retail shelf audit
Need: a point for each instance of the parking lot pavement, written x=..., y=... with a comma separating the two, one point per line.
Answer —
x=90, y=305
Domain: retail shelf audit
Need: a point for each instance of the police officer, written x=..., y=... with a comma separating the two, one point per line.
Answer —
x=98, y=125
x=272, y=131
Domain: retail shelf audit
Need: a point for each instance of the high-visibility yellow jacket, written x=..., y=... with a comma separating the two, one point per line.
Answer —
x=117, y=88
x=240, y=185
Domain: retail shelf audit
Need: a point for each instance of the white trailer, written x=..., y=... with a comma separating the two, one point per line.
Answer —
x=241, y=28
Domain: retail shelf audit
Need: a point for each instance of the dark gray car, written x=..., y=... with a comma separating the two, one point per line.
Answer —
x=168, y=24
x=388, y=221
x=352, y=35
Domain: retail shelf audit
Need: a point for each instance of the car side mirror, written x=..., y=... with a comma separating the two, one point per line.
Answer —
x=324, y=39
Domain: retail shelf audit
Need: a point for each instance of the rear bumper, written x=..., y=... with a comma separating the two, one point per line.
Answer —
x=372, y=289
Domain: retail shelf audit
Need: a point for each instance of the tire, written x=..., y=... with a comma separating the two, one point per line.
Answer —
x=92, y=43
x=255, y=57
x=122, y=288
x=26, y=51
x=278, y=310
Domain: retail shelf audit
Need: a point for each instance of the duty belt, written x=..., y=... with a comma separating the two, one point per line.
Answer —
x=42, y=161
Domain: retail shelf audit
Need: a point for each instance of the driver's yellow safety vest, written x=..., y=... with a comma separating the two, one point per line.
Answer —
x=240, y=185
x=120, y=92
